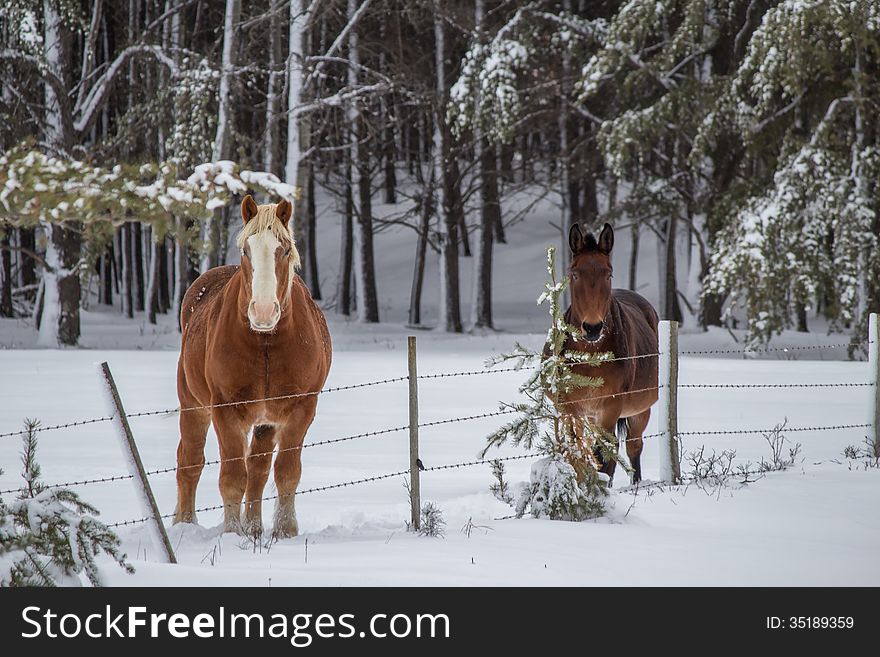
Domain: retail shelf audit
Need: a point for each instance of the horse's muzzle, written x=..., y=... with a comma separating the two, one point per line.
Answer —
x=264, y=317
x=592, y=332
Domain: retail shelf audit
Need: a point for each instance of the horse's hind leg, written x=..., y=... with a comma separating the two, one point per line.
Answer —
x=288, y=467
x=637, y=425
x=258, y=463
x=190, y=462
x=231, y=433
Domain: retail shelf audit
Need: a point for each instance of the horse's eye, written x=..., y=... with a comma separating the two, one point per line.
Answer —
x=574, y=276
x=244, y=254
x=287, y=252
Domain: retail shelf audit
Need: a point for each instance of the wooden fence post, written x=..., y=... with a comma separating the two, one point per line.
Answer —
x=414, y=494
x=874, y=376
x=670, y=466
x=136, y=467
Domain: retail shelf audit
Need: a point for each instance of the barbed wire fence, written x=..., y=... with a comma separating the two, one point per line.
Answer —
x=667, y=389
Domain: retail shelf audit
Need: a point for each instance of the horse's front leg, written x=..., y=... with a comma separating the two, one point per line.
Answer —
x=232, y=436
x=258, y=463
x=288, y=466
x=607, y=421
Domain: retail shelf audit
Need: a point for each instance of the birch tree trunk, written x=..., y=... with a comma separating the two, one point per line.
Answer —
x=223, y=138
x=297, y=168
x=59, y=317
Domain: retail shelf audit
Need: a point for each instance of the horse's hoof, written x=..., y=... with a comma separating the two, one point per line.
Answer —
x=254, y=528
x=233, y=527
x=286, y=529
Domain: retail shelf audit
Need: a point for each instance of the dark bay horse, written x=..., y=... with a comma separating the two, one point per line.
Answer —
x=619, y=321
x=250, y=332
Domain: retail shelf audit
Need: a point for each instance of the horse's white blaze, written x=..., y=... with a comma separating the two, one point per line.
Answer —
x=264, y=311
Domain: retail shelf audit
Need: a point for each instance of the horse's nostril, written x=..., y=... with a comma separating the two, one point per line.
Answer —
x=593, y=331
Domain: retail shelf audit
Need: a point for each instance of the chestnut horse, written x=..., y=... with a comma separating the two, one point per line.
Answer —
x=617, y=321
x=250, y=332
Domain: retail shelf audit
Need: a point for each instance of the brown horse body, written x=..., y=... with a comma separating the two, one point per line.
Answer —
x=224, y=360
x=617, y=321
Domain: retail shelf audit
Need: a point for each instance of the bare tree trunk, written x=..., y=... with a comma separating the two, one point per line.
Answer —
x=107, y=276
x=5, y=273
x=271, y=159
x=314, y=282
x=425, y=212
x=450, y=303
x=482, y=294
x=137, y=261
x=127, y=294
x=365, y=273
x=671, y=307
x=153, y=285
x=164, y=300
x=343, y=279
x=181, y=269
x=634, y=257
x=493, y=195
x=27, y=271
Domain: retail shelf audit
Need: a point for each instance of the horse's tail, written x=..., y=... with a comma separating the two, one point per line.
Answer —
x=623, y=429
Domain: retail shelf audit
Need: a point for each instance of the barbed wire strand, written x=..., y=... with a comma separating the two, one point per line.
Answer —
x=776, y=385
x=770, y=350
x=725, y=432
x=444, y=375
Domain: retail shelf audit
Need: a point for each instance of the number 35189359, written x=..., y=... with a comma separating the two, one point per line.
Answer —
x=810, y=623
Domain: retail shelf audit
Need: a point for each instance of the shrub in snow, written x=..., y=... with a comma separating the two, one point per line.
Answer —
x=555, y=491
x=50, y=537
x=431, y=521
x=566, y=484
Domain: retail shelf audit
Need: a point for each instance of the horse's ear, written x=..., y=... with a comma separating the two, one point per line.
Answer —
x=575, y=239
x=248, y=208
x=606, y=240
x=283, y=211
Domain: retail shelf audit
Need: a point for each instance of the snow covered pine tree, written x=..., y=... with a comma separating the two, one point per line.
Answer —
x=49, y=536
x=566, y=484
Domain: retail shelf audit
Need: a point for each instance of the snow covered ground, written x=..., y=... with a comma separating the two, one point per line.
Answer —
x=816, y=523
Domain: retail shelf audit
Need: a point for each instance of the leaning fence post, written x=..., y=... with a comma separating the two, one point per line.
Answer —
x=136, y=467
x=414, y=495
x=667, y=380
x=874, y=375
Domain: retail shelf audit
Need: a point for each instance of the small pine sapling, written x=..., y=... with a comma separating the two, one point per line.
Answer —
x=566, y=483
x=501, y=488
x=431, y=521
x=49, y=537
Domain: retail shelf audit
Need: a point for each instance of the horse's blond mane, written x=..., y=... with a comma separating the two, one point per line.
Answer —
x=266, y=219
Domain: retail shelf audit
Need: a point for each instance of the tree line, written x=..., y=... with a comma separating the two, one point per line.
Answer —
x=740, y=133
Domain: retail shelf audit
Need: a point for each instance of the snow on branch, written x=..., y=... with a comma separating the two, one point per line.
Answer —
x=85, y=113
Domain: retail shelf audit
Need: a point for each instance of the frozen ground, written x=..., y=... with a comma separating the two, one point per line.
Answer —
x=814, y=524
